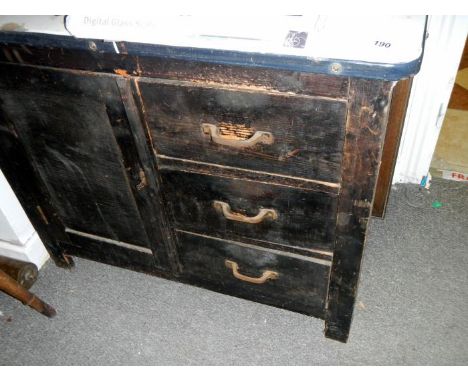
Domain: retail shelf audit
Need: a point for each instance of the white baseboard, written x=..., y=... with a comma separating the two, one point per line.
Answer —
x=33, y=251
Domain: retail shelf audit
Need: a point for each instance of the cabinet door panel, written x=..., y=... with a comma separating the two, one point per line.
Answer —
x=67, y=122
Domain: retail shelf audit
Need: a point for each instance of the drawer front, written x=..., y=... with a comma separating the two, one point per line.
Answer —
x=236, y=208
x=270, y=277
x=278, y=133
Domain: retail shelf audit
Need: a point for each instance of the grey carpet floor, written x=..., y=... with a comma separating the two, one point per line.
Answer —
x=412, y=306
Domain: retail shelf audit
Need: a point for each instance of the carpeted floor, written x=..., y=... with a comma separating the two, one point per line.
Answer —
x=412, y=306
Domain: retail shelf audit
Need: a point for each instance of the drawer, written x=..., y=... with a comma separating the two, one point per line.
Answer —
x=279, y=133
x=275, y=278
x=238, y=208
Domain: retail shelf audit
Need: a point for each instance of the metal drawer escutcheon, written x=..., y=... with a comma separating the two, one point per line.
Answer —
x=266, y=275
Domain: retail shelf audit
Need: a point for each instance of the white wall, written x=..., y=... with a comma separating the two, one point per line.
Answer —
x=430, y=95
x=18, y=239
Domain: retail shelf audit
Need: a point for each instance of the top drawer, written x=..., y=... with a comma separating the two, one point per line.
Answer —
x=280, y=133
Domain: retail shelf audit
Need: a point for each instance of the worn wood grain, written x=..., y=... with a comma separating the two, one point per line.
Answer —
x=308, y=132
x=80, y=164
x=279, y=80
x=304, y=219
x=140, y=165
x=177, y=164
x=365, y=129
x=158, y=67
x=301, y=285
x=108, y=253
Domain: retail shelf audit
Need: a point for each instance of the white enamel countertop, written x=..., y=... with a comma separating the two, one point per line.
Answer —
x=376, y=39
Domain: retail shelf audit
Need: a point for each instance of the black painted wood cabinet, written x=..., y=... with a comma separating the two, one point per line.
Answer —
x=251, y=181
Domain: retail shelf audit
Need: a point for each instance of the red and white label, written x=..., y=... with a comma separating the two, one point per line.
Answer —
x=454, y=175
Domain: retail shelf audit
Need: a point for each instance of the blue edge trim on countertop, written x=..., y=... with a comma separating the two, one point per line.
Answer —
x=390, y=72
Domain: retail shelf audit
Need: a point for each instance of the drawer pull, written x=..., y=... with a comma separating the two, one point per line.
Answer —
x=266, y=275
x=259, y=137
x=264, y=214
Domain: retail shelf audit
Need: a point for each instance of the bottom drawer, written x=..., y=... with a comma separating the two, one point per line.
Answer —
x=281, y=279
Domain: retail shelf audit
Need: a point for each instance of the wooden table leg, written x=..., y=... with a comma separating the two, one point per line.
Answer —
x=14, y=289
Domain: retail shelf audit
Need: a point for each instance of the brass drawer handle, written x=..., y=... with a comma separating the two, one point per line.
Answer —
x=259, y=137
x=264, y=213
x=266, y=275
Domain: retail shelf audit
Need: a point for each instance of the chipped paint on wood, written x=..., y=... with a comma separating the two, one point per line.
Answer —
x=362, y=203
x=342, y=218
x=143, y=183
x=236, y=131
x=121, y=72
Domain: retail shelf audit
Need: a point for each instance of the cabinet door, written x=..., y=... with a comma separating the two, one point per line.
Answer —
x=82, y=144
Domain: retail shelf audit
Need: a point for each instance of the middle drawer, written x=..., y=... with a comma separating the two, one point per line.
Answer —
x=235, y=208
